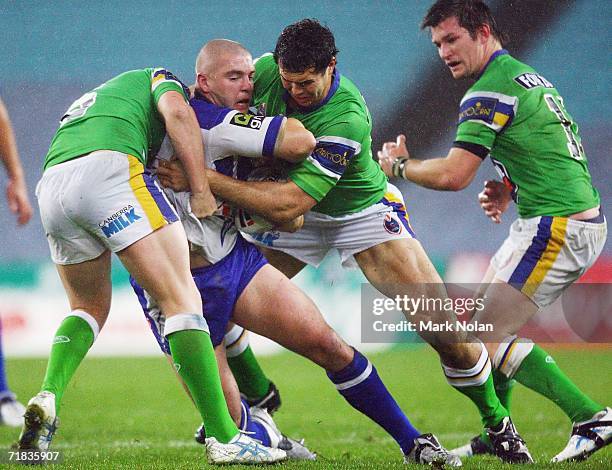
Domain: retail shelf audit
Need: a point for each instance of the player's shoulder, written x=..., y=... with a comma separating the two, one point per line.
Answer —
x=347, y=103
x=209, y=115
x=506, y=75
x=265, y=64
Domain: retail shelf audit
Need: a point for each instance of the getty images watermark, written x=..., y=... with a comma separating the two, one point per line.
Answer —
x=583, y=313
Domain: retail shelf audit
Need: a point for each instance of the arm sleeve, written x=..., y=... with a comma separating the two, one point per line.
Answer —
x=163, y=80
x=320, y=172
x=479, y=150
x=482, y=116
x=245, y=135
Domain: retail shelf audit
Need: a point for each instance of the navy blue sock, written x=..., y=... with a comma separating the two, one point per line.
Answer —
x=254, y=429
x=3, y=384
x=361, y=386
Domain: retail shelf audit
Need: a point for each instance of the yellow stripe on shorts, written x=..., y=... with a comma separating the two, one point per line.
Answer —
x=546, y=261
x=143, y=195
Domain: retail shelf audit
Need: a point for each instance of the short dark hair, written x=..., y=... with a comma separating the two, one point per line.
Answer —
x=471, y=14
x=305, y=44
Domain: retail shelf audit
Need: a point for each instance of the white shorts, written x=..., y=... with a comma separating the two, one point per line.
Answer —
x=104, y=200
x=349, y=234
x=542, y=256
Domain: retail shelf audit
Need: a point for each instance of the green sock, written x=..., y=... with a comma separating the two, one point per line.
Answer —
x=539, y=372
x=194, y=358
x=72, y=340
x=491, y=410
x=251, y=379
x=503, y=388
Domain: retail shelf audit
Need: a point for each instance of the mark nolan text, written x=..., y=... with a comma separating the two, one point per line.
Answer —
x=405, y=325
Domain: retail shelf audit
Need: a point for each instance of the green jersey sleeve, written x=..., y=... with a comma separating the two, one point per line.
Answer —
x=163, y=80
x=483, y=115
x=340, y=142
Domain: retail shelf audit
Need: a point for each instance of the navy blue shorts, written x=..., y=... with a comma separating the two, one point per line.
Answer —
x=220, y=286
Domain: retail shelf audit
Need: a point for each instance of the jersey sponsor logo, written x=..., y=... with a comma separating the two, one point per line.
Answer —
x=119, y=221
x=391, y=225
x=532, y=80
x=478, y=108
x=491, y=111
x=247, y=120
x=333, y=156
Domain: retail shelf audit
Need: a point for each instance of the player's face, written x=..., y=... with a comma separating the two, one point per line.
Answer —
x=308, y=88
x=231, y=83
x=462, y=54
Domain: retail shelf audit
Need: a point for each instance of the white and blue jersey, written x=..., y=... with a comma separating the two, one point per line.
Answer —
x=228, y=135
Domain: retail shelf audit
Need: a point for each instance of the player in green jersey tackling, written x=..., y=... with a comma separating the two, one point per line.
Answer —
x=517, y=117
x=349, y=206
x=96, y=197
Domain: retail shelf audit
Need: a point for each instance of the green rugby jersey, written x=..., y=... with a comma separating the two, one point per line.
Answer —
x=518, y=117
x=340, y=174
x=119, y=115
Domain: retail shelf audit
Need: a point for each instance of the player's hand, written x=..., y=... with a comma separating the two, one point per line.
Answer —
x=292, y=226
x=203, y=204
x=494, y=199
x=18, y=201
x=390, y=152
x=172, y=175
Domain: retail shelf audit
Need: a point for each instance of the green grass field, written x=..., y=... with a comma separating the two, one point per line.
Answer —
x=131, y=413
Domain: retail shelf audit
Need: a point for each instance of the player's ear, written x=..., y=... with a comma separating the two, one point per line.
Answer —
x=202, y=80
x=330, y=66
x=484, y=32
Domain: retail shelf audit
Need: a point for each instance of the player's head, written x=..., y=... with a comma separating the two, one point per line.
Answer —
x=224, y=74
x=306, y=55
x=465, y=33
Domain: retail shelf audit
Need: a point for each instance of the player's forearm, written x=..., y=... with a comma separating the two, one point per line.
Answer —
x=433, y=173
x=294, y=142
x=263, y=198
x=8, y=147
x=184, y=132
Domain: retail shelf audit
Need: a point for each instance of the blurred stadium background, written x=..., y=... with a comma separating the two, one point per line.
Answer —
x=53, y=52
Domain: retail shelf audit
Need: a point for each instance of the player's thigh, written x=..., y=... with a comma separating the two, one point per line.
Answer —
x=272, y=306
x=399, y=267
x=506, y=309
x=88, y=286
x=285, y=263
x=160, y=264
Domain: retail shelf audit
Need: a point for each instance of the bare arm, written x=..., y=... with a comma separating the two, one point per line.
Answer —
x=184, y=132
x=294, y=142
x=277, y=202
x=16, y=190
x=452, y=173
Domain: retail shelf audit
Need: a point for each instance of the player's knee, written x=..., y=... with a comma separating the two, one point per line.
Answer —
x=508, y=355
x=330, y=351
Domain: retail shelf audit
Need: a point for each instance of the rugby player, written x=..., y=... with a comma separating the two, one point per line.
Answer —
x=348, y=205
x=515, y=116
x=96, y=197
x=262, y=298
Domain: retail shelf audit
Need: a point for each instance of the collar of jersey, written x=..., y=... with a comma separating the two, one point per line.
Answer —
x=494, y=56
x=309, y=109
